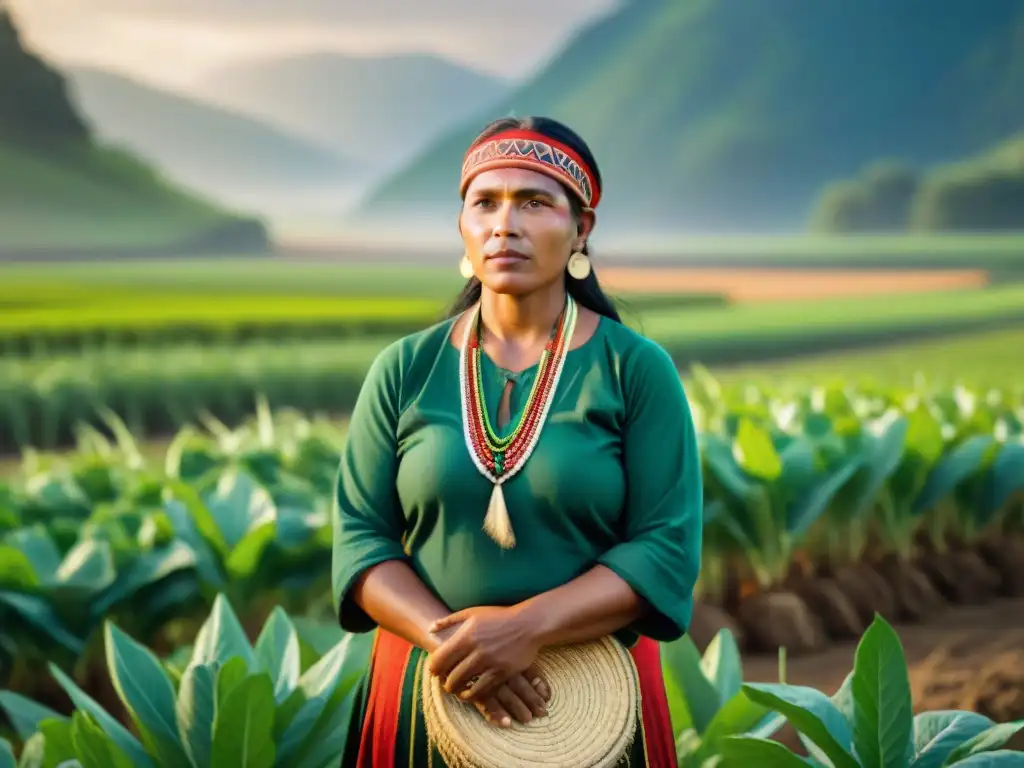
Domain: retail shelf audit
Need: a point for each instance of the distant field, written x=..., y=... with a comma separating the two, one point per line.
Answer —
x=992, y=358
x=926, y=251
x=753, y=285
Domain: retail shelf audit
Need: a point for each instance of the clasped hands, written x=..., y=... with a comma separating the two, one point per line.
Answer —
x=487, y=657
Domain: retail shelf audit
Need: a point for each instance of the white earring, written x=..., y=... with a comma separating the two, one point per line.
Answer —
x=579, y=265
x=466, y=267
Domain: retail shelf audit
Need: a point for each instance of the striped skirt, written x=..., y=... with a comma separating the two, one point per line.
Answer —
x=388, y=731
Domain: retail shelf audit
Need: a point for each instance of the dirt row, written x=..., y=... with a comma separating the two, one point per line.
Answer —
x=960, y=616
x=742, y=284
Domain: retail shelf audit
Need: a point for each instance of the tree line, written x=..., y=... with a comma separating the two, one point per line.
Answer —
x=979, y=194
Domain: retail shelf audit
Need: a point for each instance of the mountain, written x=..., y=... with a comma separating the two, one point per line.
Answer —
x=63, y=190
x=730, y=115
x=223, y=153
x=382, y=109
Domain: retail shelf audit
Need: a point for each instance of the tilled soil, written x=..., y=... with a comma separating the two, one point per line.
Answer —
x=967, y=657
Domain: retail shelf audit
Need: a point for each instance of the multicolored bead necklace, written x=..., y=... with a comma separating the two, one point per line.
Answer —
x=500, y=458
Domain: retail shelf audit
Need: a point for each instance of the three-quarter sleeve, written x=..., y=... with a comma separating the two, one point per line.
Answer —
x=659, y=556
x=366, y=515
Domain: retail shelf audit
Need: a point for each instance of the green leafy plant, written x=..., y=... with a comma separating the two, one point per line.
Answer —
x=869, y=722
x=706, y=700
x=234, y=704
x=103, y=535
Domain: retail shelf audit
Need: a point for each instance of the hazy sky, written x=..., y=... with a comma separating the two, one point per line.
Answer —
x=174, y=42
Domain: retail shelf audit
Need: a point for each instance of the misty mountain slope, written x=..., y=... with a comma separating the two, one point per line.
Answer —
x=727, y=115
x=208, y=147
x=382, y=109
x=61, y=188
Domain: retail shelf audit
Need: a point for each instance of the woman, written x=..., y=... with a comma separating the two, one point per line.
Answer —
x=469, y=552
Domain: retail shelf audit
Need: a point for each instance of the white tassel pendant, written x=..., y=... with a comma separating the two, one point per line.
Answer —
x=499, y=460
x=497, y=523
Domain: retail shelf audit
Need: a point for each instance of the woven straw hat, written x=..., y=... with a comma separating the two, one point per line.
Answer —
x=591, y=722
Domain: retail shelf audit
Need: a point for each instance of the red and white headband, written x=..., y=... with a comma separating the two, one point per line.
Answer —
x=536, y=152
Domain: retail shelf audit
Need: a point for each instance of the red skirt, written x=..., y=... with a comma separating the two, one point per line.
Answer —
x=392, y=732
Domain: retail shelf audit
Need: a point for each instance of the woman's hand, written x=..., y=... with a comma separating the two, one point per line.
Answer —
x=489, y=647
x=519, y=698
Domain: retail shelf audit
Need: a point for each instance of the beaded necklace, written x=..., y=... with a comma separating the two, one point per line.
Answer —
x=500, y=458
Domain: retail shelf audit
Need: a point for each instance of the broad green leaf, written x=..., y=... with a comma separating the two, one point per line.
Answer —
x=277, y=653
x=1004, y=478
x=198, y=514
x=755, y=453
x=986, y=741
x=719, y=459
x=291, y=738
x=693, y=700
x=244, y=559
x=243, y=732
x=746, y=751
x=33, y=751
x=799, y=462
x=738, y=716
x=186, y=530
x=120, y=735
x=1003, y=758
x=24, y=714
x=812, y=713
x=221, y=637
x=6, y=755
x=955, y=467
x=882, y=456
x=883, y=721
x=924, y=434
x=145, y=571
x=321, y=636
x=88, y=566
x=843, y=698
x=330, y=734
x=196, y=708
x=93, y=747
x=16, y=571
x=813, y=503
x=938, y=733
x=39, y=614
x=147, y=691
x=238, y=503
x=36, y=544
x=721, y=665
x=342, y=665
x=229, y=677
x=57, y=745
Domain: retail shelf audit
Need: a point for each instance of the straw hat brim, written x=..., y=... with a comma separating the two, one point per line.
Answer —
x=591, y=722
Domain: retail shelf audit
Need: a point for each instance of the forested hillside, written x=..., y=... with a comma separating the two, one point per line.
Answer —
x=730, y=115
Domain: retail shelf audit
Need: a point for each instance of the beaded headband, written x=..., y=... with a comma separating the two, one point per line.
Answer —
x=536, y=152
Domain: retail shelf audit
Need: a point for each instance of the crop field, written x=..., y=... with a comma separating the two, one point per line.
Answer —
x=756, y=285
x=999, y=252
x=172, y=430
x=824, y=507
x=986, y=359
x=161, y=342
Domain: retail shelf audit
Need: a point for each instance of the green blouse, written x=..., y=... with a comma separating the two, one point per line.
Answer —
x=615, y=479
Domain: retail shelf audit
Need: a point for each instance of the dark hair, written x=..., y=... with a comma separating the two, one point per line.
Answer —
x=587, y=292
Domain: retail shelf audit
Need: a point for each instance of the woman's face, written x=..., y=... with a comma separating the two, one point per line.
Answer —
x=519, y=230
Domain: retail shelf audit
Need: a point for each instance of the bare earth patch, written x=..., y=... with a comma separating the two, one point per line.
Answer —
x=963, y=658
x=786, y=284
